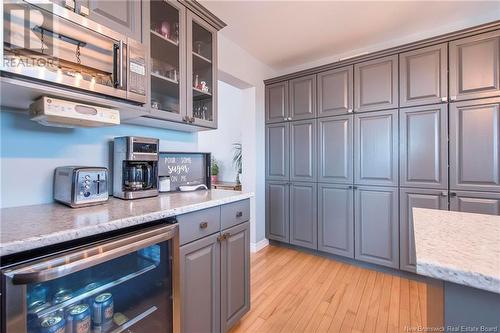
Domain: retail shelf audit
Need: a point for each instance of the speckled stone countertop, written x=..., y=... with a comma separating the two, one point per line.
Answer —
x=30, y=227
x=463, y=248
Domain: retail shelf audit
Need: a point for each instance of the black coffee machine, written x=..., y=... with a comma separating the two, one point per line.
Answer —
x=135, y=167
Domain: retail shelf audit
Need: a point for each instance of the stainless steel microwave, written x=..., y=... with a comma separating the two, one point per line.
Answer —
x=46, y=42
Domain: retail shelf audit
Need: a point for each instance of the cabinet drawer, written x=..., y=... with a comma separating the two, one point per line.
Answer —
x=235, y=213
x=198, y=224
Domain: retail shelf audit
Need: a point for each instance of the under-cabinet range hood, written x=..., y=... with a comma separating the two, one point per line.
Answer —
x=50, y=111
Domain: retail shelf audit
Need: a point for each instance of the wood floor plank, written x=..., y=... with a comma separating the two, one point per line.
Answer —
x=404, y=305
x=294, y=291
x=393, y=321
x=359, y=322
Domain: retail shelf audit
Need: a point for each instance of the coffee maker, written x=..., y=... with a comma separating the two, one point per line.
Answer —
x=135, y=167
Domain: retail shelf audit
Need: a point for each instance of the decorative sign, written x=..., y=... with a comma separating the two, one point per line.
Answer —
x=184, y=168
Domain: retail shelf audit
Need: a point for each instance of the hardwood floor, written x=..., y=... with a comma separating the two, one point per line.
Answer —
x=293, y=291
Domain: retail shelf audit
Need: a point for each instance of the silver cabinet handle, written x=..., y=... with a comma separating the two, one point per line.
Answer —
x=70, y=4
x=46, y=270
x=453, y=98
x=120, y=63
x=289, y=118
x=349, y=110
x=444, y=99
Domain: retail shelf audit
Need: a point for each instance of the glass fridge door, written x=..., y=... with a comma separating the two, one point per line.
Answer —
x=123, y=285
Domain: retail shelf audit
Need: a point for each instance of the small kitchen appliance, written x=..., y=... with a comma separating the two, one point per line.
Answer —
x=79, y=186
x=135, y=165
x=50, y=111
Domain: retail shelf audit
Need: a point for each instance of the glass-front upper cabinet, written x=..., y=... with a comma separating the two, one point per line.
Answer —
x=167, y=66
x=201, y=72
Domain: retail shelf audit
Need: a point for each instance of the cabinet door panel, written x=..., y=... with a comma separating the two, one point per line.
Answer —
x=424, y=76
x=124, y=17
x=376, y=223
x=277, y=211
x=200, y=285
x=474, y=145
x=303, y=215
x=376, y=148
x=335, y=92
x=475, y=202
x=302, y=150
x=376, y=84
x=235, y=277
x=336, y=219
x=424, y=147
x=336, y=149
x=475, y=67
x=277, y=151
x=409, y=199
x=277, y=102
x=303, y=97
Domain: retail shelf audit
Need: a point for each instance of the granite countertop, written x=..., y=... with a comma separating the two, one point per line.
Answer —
x=463, y=248
x=30, y=227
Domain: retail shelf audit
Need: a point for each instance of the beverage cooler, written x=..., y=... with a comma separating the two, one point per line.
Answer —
x=127, y=283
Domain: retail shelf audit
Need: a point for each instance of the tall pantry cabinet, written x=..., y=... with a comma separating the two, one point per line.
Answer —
x=350, y=151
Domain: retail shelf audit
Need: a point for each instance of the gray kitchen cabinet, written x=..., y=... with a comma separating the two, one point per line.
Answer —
x=278, y=151
x=124, y=17
x=335, y=143
x=235, y=274
x=475, y=202
x=201, y=77
x=376, y=225
x=303, y=215
x=474, y=145
x=278, y=211
x=302, y=98
x=376, y=84
x=277, y=102
x=335, y=92
x=376, y=148
x=410, y=198
x=424, y=146
x=200, y=285
x=475, y=66
x=336, y=219
x=302, y=151
x=423, y=76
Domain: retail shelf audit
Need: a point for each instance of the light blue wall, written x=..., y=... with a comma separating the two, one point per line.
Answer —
x=29, y=153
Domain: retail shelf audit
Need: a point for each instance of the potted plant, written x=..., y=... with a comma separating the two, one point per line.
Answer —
x=237, y=159
x=214, y=171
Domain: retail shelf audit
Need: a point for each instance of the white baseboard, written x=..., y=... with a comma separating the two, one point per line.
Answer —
x=256, y=247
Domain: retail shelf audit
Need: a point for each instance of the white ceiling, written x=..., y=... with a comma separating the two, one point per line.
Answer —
x=286, y=34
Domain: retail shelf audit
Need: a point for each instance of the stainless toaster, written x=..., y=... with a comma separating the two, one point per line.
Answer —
x=78, y=186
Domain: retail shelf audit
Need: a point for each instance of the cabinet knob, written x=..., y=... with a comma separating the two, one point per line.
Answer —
x=239, y=214
x=453, y=194
x=285, y=119
x=453, y=98
x=289, y=118
x=349, y=110
x=444, y=194
x=444, y=99
x=203, y=225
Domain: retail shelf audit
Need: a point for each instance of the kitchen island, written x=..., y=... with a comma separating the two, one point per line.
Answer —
x=461, y=251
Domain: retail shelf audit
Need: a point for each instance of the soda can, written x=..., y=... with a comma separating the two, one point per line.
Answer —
x=34, y=310
x=52, y=324
x=102, y=309
x=38, y=292
x=62, y=295
x=78, y=319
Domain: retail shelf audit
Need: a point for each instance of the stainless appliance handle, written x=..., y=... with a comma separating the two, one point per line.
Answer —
x=56, y=267
x=120, y=63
